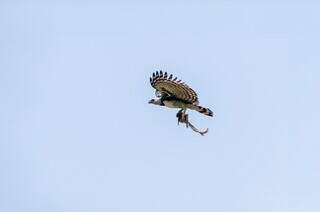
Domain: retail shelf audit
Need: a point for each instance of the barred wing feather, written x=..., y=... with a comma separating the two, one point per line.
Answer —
x=164, y=83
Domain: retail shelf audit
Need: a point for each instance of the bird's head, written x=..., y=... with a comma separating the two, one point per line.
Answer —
x=155, y=102
x=152, y=101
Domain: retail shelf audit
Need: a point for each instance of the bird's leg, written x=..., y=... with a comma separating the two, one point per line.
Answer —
x=186, y=119
x=179, y=116
x=183, y=117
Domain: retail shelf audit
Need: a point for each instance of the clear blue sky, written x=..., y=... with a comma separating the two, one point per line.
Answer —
x=77, y=134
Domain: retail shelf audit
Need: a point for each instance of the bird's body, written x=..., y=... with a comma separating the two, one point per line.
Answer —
x=172, y=102
x=175, y=103
x=176, y=94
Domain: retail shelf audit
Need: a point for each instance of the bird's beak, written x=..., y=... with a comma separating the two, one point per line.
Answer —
x=150, y=101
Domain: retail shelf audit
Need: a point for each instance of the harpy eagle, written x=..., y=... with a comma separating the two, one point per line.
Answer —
x=173, y=93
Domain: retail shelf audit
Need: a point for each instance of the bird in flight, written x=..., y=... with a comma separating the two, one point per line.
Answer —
x=173, y=93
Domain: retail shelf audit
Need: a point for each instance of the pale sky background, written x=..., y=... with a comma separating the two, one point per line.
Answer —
x=77, y=134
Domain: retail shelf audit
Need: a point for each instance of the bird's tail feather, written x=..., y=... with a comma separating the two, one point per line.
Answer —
x=203, y=110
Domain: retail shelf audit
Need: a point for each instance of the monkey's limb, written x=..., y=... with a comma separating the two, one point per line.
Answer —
x=198, y=131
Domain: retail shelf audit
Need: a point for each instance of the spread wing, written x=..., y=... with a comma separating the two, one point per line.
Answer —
x=165, y=84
